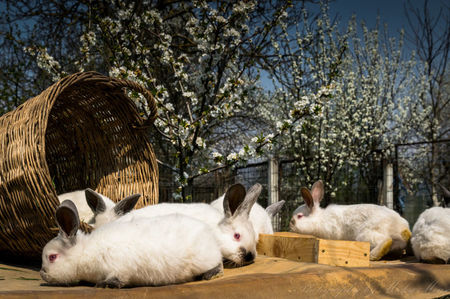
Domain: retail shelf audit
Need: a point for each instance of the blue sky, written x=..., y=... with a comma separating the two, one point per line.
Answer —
x=390, y=11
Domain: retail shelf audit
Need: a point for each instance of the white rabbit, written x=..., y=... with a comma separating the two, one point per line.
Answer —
x=237, y=238
x=385, y=229
x=79, y=199
x=260, y=218
x=431, y=236
x=156, y=251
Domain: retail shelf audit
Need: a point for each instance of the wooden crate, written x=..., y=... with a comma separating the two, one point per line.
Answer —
x=305, y=248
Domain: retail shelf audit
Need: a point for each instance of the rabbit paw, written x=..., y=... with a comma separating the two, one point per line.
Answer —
x=406, y=235
x=215, y=272
x=112, y=282
x=380, y=250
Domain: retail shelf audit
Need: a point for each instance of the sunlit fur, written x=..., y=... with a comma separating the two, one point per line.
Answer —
x=361, y=222
x=156, y=251
x=105, y=217
x=260, y=219
x=431, y=235
x=79, y=199
x=223, y=228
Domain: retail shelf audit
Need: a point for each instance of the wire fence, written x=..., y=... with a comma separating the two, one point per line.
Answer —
x=367, y=185
x=422, y=172
x=208, y=187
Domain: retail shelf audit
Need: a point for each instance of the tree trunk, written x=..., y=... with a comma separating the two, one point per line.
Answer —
x=434, y=174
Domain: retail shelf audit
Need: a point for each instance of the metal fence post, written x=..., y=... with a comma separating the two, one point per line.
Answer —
x=274, y=190
x=389, y=185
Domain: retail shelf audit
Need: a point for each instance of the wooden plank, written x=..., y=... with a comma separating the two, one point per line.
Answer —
x=291, y=234
x=306, y=248
x=267, y=277
x=291, y=247
x=343, y=253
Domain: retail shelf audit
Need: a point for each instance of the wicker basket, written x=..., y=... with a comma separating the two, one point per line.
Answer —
x=82, y=131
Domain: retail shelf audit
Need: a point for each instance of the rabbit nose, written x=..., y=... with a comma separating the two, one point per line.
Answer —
x=249, y=257
x=43, y=274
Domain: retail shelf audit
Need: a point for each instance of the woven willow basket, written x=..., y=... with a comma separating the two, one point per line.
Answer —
x=83, y=131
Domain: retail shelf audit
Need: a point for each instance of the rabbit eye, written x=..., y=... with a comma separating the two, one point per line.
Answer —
x=299, y=215
x=52, y=257
x=237, y=236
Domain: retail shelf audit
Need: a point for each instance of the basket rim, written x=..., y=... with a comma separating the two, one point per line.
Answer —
x=112, y=82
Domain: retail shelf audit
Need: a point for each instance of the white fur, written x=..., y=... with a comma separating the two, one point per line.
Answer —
x=236, y=252
x=79, y=199
x=224, y=229
x=260, y=219
x=431, y=235
x=361, y=222
x=157, y=251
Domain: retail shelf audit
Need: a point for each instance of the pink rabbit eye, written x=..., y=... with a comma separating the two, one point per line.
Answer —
x=299, y=215
x=52, y=257
x=237, y=236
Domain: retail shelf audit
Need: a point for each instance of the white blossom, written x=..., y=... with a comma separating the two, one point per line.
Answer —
x=232, y=156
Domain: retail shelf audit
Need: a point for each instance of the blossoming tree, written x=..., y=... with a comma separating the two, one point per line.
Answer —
x=337, y=95
x=430, y=35
x=364, y=88
x=198, y=59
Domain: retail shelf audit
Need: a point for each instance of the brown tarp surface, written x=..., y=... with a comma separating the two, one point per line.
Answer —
x=266, y=278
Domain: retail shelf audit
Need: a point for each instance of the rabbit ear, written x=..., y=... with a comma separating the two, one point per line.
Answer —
x=250, y=199
x=274, y=208
x=307, y=197
x=67, y=218
x=317, y=191
x=127, y=204
x=95, y=201
x=234, y=196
